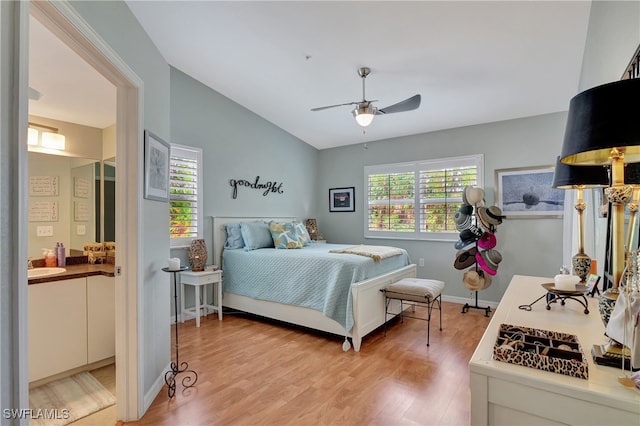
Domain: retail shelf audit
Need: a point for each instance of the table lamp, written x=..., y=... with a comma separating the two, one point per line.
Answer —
x=603, y=127
x=632, y=177
x=580, y=178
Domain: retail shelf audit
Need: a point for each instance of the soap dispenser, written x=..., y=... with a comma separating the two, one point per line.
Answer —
x=61, y=255
x=49, y=258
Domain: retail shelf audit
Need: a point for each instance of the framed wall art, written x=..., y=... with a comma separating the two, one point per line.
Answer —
x=342, y=199
x=528, y=193
x=156, y=167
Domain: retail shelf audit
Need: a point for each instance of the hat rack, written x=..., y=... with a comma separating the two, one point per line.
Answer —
x=473, y=225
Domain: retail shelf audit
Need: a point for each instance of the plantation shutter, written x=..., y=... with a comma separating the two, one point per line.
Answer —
x=418, y=199
x=441, y=196
x=185, y=210
x=391, y=203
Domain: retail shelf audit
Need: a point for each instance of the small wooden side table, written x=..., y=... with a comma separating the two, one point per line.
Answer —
x=202, y=279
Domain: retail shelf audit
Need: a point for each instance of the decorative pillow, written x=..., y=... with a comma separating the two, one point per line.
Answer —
x=285, y=235
x=303, y=233
x=234, y=237
x=256, y=235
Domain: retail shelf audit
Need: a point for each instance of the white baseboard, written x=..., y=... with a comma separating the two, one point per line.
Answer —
x=155, y=389
x=470, y=300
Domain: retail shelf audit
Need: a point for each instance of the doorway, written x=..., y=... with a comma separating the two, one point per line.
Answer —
x=64, y=22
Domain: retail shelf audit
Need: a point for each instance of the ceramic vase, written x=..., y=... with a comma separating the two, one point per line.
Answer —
x=198, y=255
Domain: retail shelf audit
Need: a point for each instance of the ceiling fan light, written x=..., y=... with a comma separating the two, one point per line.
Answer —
x=364, y=115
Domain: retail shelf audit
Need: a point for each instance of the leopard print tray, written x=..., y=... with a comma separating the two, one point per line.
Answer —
x=541, y=349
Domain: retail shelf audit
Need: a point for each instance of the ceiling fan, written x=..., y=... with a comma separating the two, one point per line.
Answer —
x=365, y=111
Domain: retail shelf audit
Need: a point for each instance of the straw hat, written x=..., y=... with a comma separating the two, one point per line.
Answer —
x=476, y=280
x=473, y=196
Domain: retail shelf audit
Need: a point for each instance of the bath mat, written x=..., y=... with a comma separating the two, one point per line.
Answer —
x=66, y=400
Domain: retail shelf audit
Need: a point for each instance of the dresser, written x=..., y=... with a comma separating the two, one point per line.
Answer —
x=508, y=394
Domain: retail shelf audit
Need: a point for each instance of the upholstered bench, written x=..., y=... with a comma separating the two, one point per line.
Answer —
x=416, y=292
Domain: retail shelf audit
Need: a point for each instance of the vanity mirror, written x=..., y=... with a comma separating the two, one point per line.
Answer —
x=71, y=200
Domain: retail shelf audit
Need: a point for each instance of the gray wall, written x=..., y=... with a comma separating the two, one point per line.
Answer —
x=237, y=144
x=119, y=28
x=528, y=246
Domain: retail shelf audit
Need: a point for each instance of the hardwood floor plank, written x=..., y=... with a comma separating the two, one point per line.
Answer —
x=258, y=372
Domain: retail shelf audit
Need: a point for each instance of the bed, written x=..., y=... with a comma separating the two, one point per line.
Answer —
x=346, y=301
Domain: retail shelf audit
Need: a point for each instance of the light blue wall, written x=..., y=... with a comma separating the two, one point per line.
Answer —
x=238, y=144
x=115, y=23
x=528, y=246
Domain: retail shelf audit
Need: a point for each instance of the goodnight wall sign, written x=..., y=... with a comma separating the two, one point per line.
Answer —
x=267, y=187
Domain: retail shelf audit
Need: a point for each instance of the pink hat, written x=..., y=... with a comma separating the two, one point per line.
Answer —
x=488, y=260
x=487, y=241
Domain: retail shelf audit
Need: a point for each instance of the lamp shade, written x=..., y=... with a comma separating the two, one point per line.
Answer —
x=567, y=176
x=600, y=119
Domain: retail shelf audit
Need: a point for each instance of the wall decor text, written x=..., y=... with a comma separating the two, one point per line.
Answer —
x=267, y=187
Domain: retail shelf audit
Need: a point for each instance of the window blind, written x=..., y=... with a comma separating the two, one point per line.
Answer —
x=185, y=210
x=418, y=199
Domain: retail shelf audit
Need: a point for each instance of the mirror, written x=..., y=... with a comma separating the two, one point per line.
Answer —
x=105, y=183
x=72, y=191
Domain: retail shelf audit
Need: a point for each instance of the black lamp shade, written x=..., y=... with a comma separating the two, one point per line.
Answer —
x=567, y=176
x=600, y=119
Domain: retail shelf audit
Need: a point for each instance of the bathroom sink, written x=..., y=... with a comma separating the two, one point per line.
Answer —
x=44, y=272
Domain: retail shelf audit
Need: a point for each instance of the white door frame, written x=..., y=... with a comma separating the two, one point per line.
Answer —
x=63, y=21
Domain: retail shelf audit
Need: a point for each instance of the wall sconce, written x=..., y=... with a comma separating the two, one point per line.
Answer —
x=50, y=138
x=603, y=128
x=580, y=178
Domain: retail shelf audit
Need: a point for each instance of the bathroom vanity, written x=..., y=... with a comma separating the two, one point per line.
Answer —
x=71, y=320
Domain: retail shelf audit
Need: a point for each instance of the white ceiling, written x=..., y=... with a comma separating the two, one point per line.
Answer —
x=472, y=62
x=71, y=89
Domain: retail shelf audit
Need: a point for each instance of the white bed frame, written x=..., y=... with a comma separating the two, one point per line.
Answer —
x=368, y=300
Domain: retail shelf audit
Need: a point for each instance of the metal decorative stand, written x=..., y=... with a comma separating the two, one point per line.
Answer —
x=467, y=306
x=176, y=366
x=579, y=295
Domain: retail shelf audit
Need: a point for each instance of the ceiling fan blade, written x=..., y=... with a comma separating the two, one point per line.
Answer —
x=406, y=105
x=333, y=106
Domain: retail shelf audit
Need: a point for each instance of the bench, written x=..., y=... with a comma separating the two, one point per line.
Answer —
x=415, y=292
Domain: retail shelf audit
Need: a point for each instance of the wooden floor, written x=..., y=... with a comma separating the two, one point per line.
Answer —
x=257, y=372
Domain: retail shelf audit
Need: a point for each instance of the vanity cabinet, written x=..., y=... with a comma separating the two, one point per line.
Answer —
x=57, y=327
x=71, y=324
x=101, y=318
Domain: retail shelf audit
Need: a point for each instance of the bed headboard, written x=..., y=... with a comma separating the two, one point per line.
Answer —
x=220, y=234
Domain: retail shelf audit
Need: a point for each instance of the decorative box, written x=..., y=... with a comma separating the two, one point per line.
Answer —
x=541, y=349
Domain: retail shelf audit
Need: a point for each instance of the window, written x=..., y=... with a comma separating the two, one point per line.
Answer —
x=417, y=200
x=185, y=195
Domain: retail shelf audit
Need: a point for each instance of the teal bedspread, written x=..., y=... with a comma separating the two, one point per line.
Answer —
x=310, y=277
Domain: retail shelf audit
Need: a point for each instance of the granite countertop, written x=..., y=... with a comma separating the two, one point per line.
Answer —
x=76, y=271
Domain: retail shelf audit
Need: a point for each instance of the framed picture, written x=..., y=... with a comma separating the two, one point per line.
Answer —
x=342, y=199
x=592, y=282
x=156, y=167
x=528, y=193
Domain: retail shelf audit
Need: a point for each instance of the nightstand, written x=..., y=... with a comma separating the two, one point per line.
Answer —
x=202, y=279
